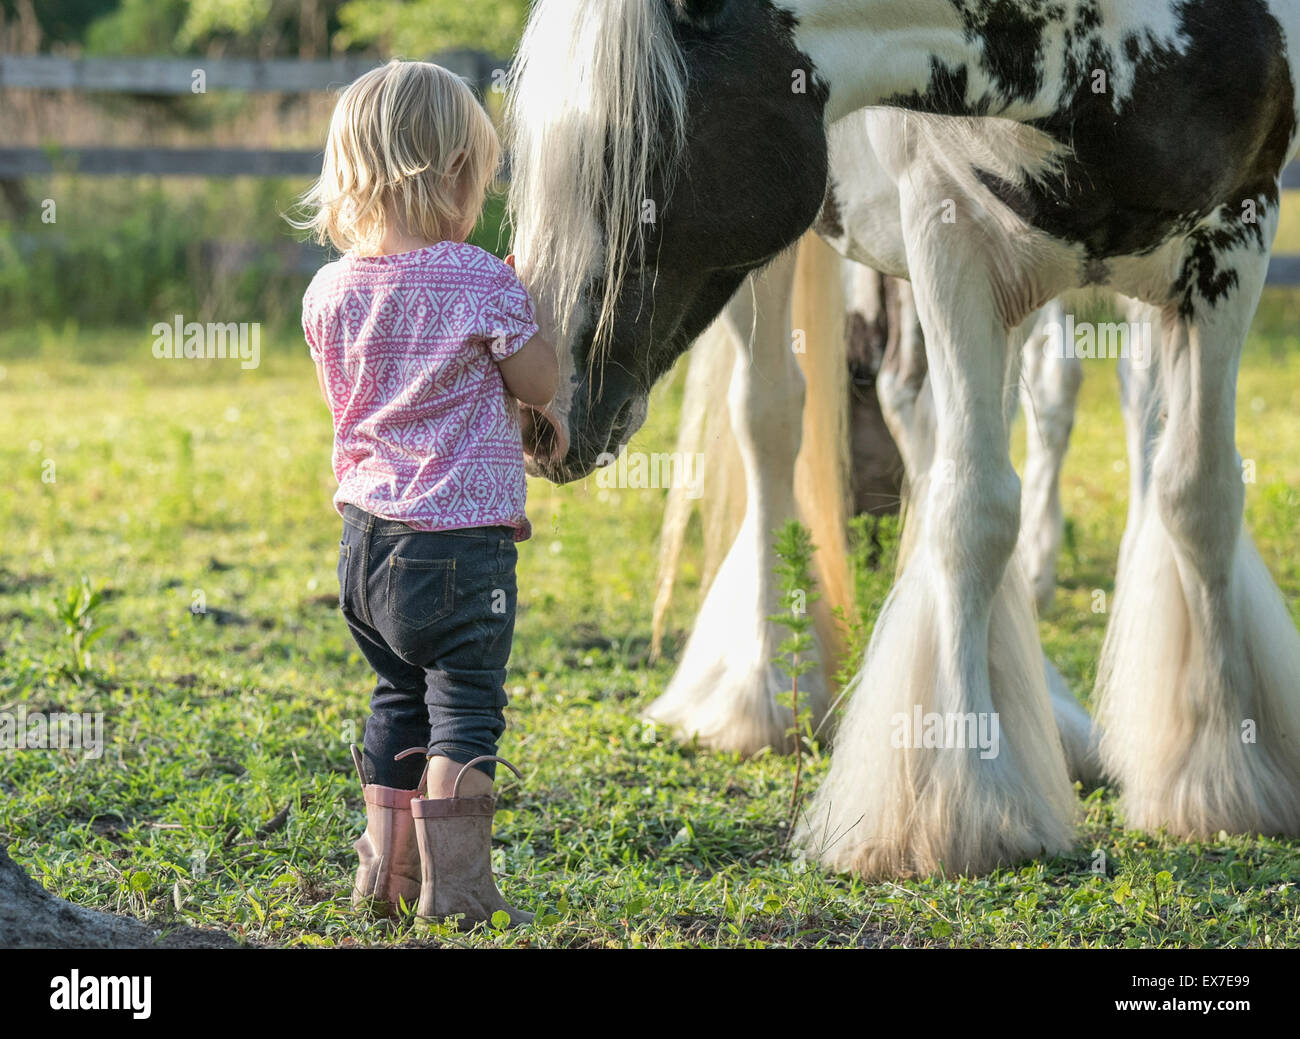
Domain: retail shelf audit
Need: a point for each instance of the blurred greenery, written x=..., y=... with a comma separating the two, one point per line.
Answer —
x=266, y=28
x=130, y=251
x=137, y=28
x=124, y=250
x=418, y=27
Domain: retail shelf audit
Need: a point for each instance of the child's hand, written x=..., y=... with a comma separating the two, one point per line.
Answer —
x=510, y=261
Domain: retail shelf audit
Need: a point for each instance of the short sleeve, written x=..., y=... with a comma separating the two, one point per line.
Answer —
x=309, y=329
x=510, y=320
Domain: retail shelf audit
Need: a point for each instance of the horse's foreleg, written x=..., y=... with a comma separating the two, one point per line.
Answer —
x=948, y=755
x=725, y=689
x=1199, y=688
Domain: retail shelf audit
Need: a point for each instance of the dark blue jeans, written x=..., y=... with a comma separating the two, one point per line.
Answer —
x=434, y=614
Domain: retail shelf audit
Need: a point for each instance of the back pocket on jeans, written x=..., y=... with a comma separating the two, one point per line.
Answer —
x=421, y=591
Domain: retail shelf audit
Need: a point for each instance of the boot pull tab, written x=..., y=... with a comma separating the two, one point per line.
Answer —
x=416, y=750
x=358, y=763
x=455, y=790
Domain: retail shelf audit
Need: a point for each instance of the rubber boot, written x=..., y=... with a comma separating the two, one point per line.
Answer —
x=454, y=835
x=389, y=871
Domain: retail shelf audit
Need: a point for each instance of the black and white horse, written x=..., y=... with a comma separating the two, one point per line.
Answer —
x=663, y=149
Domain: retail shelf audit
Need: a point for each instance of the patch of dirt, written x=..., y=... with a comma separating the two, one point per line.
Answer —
x=32, y=918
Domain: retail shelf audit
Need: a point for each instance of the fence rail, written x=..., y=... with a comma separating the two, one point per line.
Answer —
x=184, y=75
x=16, y=163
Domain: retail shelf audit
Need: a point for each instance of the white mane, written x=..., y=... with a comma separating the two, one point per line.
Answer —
x=594, y=88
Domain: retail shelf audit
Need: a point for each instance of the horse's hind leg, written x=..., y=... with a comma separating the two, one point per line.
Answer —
x=1142, y=405
x=1050, y=396
x=876, y=467
x=1199, y=688
x=904, y=392
x=910, y=788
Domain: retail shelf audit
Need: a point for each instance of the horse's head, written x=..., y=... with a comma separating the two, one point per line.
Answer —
x=661, y=150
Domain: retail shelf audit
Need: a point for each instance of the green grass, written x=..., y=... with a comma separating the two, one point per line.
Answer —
x=180, y=480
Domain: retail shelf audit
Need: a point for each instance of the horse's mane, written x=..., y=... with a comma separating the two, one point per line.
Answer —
x=597, y=97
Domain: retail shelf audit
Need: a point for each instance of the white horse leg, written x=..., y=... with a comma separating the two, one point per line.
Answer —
x=1140, y=400
x=725, y=688
x=908, y=406
x=1050, y=395
x=904, y=391
x=911, y=788
x=1199, y=688
x=1048, y=386
x=1080, y=737
x=1142, y=405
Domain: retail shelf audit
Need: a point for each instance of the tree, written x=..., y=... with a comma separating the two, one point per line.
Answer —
x=143, y=28
x=50, y=21
x=262, y=28
x=419, y=28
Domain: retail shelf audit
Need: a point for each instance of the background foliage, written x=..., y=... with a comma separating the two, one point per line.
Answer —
x=414, y=28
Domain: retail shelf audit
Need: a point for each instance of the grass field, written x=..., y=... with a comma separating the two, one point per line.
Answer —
x=171, y=483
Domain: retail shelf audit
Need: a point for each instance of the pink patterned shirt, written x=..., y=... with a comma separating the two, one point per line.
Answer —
x=425, y=432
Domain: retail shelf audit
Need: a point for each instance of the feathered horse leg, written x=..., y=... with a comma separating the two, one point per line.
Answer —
x=1199, y=686
x=948, y=757
x=724, y=692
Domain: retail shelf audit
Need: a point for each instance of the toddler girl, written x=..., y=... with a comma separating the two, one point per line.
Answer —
x=420, y=339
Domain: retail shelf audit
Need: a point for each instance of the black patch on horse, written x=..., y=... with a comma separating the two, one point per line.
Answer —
x=945, y=94
x=830, y=221
x=1203, y=273
x=1139, y=176
x=1012, y=34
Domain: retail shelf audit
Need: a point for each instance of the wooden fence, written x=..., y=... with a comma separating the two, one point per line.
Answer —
x=176, y=76
x=184, y=75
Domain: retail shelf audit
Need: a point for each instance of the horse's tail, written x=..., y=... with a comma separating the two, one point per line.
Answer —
x=704, y=430
x=822, y=490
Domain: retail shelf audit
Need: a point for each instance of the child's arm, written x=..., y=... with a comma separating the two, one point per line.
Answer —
x=532, y=373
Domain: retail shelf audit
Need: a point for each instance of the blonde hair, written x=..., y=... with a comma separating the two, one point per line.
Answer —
x=409, y=146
